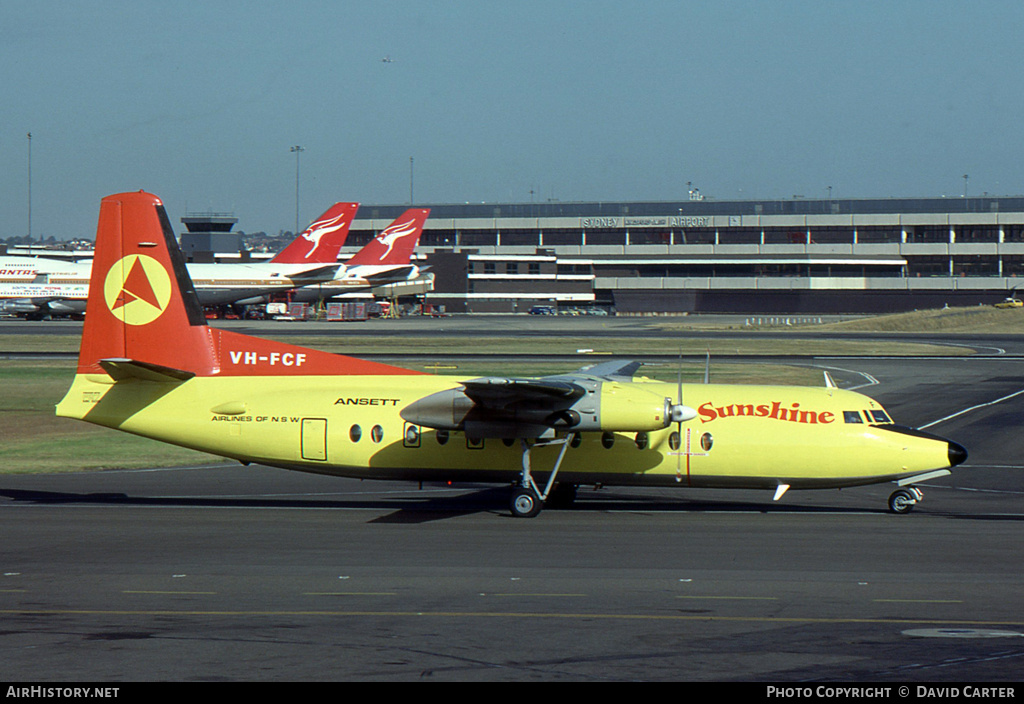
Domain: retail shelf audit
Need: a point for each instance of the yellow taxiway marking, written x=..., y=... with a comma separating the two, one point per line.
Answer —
x=528, y=594
x=512, y=614
x=736, y=598
x=153, y=591
x=918, y=601
x=349, y=593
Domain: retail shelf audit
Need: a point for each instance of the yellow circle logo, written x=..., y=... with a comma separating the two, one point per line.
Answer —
x=137, y=289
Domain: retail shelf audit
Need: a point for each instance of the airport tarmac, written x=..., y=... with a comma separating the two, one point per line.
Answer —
x=231, y=573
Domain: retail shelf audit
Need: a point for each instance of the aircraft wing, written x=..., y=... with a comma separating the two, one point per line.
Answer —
x=618, y=369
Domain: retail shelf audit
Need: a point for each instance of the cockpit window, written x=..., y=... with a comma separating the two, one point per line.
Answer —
x=852, y=417
x=880, y=417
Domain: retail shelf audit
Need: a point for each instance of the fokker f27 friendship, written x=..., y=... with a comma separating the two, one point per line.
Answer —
x=150, y=365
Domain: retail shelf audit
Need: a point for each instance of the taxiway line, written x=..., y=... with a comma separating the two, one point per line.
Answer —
x=512, y=614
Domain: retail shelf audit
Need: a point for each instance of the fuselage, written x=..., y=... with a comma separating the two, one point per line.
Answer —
x=742, y=436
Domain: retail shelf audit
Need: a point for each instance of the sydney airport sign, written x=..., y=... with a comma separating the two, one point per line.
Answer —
x=666, y=221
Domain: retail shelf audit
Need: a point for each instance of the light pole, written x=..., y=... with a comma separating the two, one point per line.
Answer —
x=297, y=150
x=411, y=201
x=30, y=189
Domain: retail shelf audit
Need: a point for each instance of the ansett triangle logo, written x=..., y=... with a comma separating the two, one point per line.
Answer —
x=137, y=289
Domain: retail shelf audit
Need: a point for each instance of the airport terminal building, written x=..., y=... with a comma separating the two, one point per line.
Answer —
x=791, y=256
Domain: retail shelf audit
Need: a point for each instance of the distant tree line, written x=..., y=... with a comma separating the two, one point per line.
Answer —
x=253, y=241
x=50, y=242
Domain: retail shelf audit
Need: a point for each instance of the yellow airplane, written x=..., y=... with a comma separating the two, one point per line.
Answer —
x=150, y=365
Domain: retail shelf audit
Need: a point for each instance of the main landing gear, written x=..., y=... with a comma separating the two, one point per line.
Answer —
x=903, y=500
x=527, y=498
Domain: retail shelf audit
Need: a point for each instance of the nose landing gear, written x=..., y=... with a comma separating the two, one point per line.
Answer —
x=903, y=500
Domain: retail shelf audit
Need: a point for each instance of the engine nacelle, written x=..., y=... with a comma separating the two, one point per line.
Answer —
x=18, y=307
x=445, y=410
x=632, y=408
x=520, y=409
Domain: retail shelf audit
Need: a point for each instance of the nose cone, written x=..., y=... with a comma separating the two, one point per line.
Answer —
x=957, y=454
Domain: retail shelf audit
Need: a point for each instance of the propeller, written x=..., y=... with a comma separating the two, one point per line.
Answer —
x=678, y=414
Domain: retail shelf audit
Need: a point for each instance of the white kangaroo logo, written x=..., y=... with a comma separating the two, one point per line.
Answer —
x=315, y=232
x=394, y=233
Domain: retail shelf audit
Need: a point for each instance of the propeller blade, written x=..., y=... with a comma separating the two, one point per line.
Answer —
x=677, y=417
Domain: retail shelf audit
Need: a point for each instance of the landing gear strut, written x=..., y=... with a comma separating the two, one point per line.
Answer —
x=527, y=498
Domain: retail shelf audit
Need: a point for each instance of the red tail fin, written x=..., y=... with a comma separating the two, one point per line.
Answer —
x=395, y=244
x=142, y=307
x=320, y=243
x=138, y=307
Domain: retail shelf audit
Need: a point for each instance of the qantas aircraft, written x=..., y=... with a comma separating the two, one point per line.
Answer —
x=150, y=365
x=37, y=287
x=370, y=266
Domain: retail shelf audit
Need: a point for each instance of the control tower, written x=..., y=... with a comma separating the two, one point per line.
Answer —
x=209, y=237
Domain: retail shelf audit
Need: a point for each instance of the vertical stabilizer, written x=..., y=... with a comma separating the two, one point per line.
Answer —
x=321, y=241
x=142, y=304
x=395, y=244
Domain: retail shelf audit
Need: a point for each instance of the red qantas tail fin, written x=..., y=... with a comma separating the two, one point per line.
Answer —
x=394, y=245
x=320, y=242
x=143, y=318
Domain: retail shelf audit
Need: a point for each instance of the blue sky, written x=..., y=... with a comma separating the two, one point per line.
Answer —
x=200, y=103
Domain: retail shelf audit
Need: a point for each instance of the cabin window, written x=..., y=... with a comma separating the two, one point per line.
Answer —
x=879, y=417
x=377, y=433
x=852, y=417
x=355, y=433
x=706, y=441
x=641, y=440
x=607, y=440
x=412, y=436
x=673, y=441
x=442, y=437
x=576, y=441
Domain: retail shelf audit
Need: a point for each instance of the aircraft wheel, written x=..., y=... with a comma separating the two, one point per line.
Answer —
x=901, y=501
x=525, y=503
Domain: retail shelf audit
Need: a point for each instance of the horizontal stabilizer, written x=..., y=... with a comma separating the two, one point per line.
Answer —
x=389, y=275
x=320, y=272
x=125, y=369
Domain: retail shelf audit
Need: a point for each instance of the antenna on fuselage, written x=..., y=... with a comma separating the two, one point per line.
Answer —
x=829, y=383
